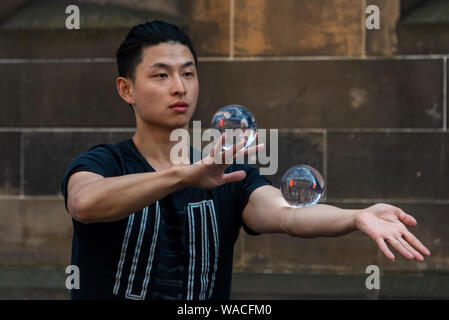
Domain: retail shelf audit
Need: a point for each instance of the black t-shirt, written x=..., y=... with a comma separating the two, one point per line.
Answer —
x=180, y=247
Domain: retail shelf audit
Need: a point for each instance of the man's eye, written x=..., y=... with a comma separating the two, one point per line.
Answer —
x=189, y=74
x=161, y=75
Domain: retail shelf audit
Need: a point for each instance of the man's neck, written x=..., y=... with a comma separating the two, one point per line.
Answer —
x=154, y=144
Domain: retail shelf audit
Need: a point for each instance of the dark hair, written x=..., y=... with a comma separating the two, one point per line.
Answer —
x=129, y=54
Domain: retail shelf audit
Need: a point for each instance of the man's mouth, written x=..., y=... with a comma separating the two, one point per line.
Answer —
x=179, y=107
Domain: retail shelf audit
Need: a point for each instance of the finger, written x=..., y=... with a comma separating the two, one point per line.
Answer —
x=416, y=243
x=239, y=156
x=415, y=253
x=249, y=151
x=398, y=246
x=252, y=150
x=384, y=248
x=230, y=154
x=216, y=151
x=234, y=176
x=240, y=151
x=239, y=146
x=407, y=219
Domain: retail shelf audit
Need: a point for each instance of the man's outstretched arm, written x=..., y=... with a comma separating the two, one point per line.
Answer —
x=268, y=212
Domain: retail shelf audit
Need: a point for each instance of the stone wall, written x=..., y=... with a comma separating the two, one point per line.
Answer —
x=367, y=108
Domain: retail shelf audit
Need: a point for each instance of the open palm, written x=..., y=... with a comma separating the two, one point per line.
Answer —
x=209, y=172
x=386, y=223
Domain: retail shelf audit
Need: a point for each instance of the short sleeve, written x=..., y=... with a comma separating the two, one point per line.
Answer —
x=99, y=160
x=252, y=181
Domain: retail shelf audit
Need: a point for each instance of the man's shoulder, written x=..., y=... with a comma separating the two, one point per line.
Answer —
x=108, y=149
x=102, y=155
x=111, y=147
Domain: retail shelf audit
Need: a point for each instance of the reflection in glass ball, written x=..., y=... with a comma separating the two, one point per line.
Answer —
x=302, y=186
x=236, y=121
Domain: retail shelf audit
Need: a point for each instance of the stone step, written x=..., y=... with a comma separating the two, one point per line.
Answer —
x=48, y=283
x=337, y=286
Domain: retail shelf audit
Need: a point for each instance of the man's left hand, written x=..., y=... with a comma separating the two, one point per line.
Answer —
x=386, y=223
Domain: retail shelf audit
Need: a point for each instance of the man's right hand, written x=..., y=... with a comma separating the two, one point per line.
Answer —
x=209, y=172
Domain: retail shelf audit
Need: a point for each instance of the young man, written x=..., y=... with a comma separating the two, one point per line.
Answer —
x=145, y=228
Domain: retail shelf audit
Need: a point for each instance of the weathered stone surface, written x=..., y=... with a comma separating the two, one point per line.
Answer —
x=428, y=12
x=9, y=7
x=51, y=15
x=38, y=28
x=209, y=26
x=62, y=94
x=386, y=165
x=295, y=148
x=383, y=41
x=35, y=232
x=290, y=27
x=60, y=44
x=421, y=29
x=10, y=163
x=327, y=94
x=22, y=282
x=408, y=5
x=47, y=156
x=423, y=39
x=281, y=94
x=171, y=7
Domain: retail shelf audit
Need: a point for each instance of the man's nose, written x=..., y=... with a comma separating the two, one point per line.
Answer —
x=178, y=87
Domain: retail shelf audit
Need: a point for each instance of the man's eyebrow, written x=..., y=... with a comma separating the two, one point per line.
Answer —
x=163, y=65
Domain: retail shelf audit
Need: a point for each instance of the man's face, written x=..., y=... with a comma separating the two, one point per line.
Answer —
x=167, y=75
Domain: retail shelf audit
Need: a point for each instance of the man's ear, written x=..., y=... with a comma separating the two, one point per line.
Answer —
x=125, y=89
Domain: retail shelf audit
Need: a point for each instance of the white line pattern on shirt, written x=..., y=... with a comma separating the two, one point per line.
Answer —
x=206, y=207
x=135, y=260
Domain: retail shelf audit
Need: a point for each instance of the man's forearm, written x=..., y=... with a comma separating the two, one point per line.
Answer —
x=115, y=198
x=319, y=220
